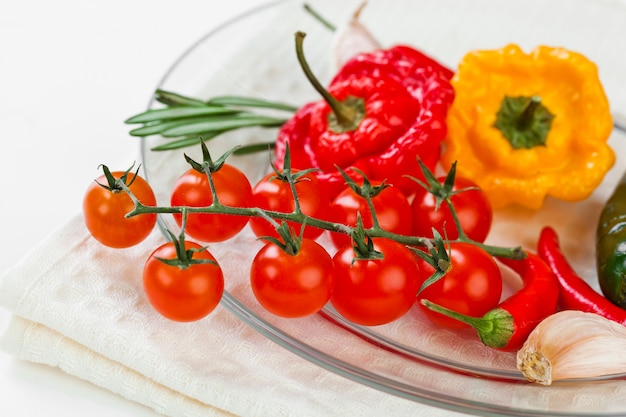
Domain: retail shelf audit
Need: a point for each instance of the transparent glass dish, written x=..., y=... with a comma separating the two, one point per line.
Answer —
x=253, y=55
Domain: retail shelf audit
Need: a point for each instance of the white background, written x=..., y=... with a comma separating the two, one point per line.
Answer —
x=71, y=72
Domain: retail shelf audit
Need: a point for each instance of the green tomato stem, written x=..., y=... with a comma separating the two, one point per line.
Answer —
x=299, y=217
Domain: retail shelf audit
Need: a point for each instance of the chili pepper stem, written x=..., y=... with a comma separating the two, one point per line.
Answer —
x=349, y=113
x=494, y=329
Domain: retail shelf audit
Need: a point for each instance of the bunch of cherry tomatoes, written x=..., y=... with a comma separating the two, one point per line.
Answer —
x=371, y=282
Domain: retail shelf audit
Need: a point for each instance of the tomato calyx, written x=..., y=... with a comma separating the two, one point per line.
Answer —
x=289, y=242
x=114, y=184
x=443, y=192
x=363, y=244
x=367, y=190
x=184, y=257
x=208, y=165
x=438, y=257
x=287, y=174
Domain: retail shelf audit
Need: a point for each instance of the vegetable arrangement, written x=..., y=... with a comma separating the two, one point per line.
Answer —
x=359, y=165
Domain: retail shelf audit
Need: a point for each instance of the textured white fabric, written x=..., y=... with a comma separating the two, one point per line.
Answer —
x=79, y=306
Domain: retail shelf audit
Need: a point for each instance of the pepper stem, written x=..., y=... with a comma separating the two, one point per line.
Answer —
x=526, y=117
x=346, y=114
x=524, y=121
x=494, y=329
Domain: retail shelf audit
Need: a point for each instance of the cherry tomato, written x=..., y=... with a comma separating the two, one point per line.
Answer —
x=472, y=286
x=373, y=292
x=104, y=212
x=292, y=285
x=392, y=209
x=272, y=193
x=192, y=189
x=182, y=294
x=472, y=208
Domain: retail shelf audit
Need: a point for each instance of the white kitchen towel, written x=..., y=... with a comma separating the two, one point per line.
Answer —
x=79, y=306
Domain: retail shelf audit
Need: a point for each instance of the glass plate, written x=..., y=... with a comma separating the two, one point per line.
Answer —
x=253, y=55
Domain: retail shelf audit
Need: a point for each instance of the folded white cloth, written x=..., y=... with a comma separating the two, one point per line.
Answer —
x=79, y=306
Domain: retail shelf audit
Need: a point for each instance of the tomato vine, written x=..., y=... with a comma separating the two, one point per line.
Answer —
x=297, y=216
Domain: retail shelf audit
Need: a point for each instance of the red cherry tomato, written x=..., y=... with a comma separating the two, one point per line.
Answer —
x=182, y=294
x=472, y=286
x=373, y=292
x=392, y=209
x=192, y=189
x=292, y=285
x=104, y=212
x=472, y=207
x=272, y=193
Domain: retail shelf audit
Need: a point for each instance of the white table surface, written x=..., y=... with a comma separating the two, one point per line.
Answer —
x=70, y=73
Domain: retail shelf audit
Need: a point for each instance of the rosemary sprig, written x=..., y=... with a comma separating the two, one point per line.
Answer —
x=188, y=121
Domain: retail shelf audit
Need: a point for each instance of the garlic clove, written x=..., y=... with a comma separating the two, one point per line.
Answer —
x=353, y=38
x=573, y=344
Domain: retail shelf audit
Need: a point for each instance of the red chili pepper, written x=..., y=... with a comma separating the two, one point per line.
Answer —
x=507, y=326
x=391, y=111
x=574, y=292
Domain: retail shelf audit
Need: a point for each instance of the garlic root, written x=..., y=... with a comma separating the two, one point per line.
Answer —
x=573, y=344
x=353, y=38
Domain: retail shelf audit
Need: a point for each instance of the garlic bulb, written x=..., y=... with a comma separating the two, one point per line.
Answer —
x=353, y=38
x=573, y=344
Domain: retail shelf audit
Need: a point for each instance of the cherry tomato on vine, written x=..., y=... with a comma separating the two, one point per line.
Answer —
x=292, y=285
x=182, y=293
x=273, y=193
x=104, y=211
x=192, y=189
x=373, y=292
x=472, y=208
x=472, y=286
x=392, y=210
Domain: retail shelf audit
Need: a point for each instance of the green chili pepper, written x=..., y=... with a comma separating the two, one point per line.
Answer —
x=611, y=246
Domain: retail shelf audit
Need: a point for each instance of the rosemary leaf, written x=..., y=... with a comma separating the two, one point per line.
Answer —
x=254, y=147
x=173, y=99
x=155, y=128
x=179, y=112
x=250, y=102
x=221, y=123
x=186, y=141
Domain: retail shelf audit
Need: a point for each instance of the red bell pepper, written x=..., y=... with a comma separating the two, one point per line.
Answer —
x=382, y=111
